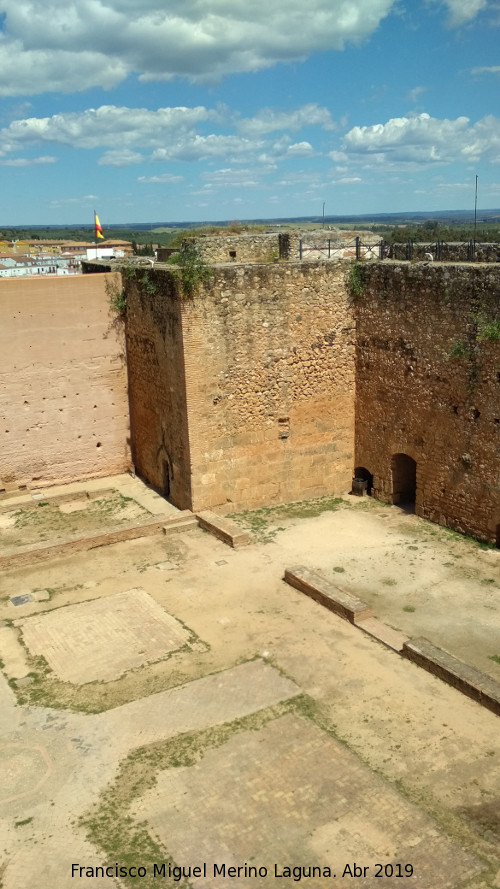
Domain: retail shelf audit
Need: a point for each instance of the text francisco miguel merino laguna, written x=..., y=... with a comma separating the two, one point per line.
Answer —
x=296, y=873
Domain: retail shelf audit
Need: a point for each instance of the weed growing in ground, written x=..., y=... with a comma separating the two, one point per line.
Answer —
x=261, y=521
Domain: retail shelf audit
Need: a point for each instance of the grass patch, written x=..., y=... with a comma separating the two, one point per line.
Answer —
x=495, y=658
x=409, y=609
x=47, y=520
x=23, y=822
x=261, y=522
x=388, y=581
x=339, y=570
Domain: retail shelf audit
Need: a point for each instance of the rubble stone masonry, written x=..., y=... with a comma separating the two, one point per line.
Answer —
x=63, y=382
x=428, y=387
x=243, y=395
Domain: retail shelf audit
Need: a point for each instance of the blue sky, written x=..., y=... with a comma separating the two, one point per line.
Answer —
x=163, y=110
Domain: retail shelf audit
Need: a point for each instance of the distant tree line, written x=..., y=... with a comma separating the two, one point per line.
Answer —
x=430, y=232
x=67, y=233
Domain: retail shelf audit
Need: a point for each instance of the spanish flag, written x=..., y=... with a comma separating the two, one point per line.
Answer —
x=97, y=227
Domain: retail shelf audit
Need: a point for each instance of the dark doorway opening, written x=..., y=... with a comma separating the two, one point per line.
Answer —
x=498, y=537
x=404, y=481
x=363, y=480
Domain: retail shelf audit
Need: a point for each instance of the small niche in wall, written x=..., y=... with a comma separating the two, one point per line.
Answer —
x=283, y=427
x=232, y=254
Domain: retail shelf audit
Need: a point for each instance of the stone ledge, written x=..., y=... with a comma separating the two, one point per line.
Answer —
x=328, y=594
x=225, y=529
x=468, y=680
x=42, y=552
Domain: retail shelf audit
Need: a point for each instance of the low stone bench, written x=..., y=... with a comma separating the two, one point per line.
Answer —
x=328, y=594
x=223, y=528
x=468, y=680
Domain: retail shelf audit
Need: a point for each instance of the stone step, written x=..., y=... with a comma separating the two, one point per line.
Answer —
x=223, y=528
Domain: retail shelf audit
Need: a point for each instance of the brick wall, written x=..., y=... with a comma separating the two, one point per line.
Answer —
x=428, y=386
x=246, y=391
x=63, y=382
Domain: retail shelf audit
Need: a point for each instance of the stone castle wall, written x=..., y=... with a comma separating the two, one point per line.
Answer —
x=63, y=382
x=157, y=386
x=428, y=386
x=261, y=247
x=246, y=392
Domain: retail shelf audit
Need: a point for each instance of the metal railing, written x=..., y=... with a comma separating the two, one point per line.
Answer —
x=440, y=251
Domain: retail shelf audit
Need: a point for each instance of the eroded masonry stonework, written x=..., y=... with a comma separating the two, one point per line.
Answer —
x=428, y=391
x=243, y=395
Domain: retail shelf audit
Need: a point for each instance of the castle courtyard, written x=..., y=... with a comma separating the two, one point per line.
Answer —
x=176, y=714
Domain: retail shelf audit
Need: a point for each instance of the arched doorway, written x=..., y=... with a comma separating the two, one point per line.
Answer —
x=404, y=481
x=364, y=478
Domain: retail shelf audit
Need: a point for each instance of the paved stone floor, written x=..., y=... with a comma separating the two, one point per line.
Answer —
x=281, y=736
x=101, y=639
x=59, y=761
x=301, y=799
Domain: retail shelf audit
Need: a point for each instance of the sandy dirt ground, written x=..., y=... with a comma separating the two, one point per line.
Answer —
x=311, y=745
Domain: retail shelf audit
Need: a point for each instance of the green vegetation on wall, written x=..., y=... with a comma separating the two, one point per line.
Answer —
x=354, y=283
x=191, y=268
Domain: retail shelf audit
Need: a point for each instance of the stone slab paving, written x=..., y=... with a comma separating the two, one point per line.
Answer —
x=243, y=690
x=302, y=800
x=101, y=639
x=54, y=764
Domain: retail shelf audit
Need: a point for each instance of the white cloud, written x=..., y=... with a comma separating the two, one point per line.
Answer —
x=131, y=135
x=229, y=177
x=27, y=161
x=26, y=72
x=486, y=69
x=347, y=180
x=462, y=11
x=110, y=125
x=120, y=158
x=338, y=156
x=423, y=140
x=68, y=46
x=415, y=94
x=300, y=149
x=163, y=179
x=194, y=147
x=268, y=120
x=87, y=198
